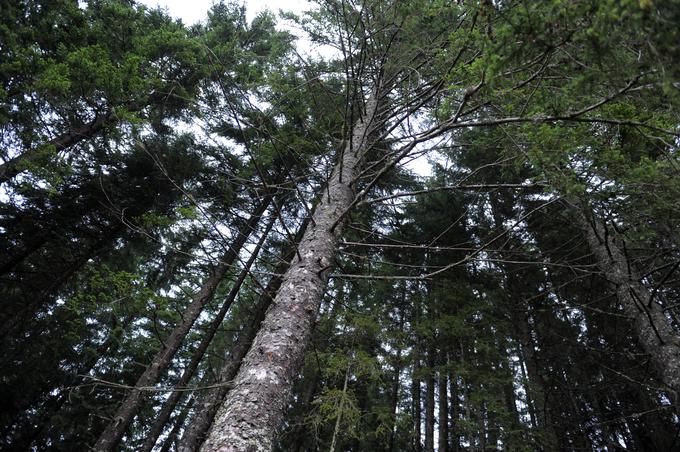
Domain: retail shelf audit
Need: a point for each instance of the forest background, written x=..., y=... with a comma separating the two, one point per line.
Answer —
x=211, y=237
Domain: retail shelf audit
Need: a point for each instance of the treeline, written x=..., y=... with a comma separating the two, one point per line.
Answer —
x=209, y=239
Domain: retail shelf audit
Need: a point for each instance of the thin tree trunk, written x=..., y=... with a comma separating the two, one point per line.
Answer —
x=429, y=401
x=254, y=409
x=415, y=378
x=129, y=406
x=206, y=340
x=454, y=408
x=482, y=427
x=299, y=430
x=394, y=393
x=12, y=167
x=338, y=419
x=653, y=330
x=516, y=431
x=528, y=384
x=177, y=425
x=203, y=419
x=443, y=405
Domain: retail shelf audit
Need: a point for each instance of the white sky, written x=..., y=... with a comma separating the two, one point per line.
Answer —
x=192, y=11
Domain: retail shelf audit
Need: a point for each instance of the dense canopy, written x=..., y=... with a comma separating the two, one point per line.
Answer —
x=213, y=239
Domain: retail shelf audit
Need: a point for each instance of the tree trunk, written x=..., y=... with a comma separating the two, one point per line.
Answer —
x=429, y=401
x=128, y=408
x=415, y=378
x=338, y=419
x=177, y=425
x=443, y=405
x=197, y=356
x=299, y=431
x=12, y=167
x=199, y=425
x=653, y=330
x=454, y=407
x=254, y=408
x=394, y=391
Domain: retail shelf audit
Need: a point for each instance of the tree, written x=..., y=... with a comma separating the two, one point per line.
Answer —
x=220, y=238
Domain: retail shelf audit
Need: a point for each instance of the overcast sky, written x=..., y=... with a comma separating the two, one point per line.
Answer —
x=191, y=11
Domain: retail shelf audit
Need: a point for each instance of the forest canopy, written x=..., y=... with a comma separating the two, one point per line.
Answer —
x=211, y=239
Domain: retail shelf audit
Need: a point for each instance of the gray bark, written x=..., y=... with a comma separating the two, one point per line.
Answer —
x=210, y=402
x=14, y=166
x=197, y=356
x=654, y=332
x=443, y=406
x=177, y=425
x=253, y=410
x=415, y=379
x=130, y=405
x=454, y=408
x=429, y=400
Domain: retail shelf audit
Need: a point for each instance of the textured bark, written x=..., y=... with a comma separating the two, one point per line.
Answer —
x=415, y=382
x=654, y=332
x=196, y=431
x=338, y=419
x=177, y=425
x=443, y=406
x=253, y=410
x=210, y=402
x=454, y=409
x=128, y=408
x=197, y=356
x=299, y=433
x=396, y=381
x=12, y=167
x=429, y=401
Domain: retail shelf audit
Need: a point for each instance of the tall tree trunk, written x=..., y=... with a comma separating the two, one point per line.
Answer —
x=210, y=402
x=338, y=419
x=299, y=431
x=516, y=431
x=206, y=340
x=454, y=406
x=394, y=392
x=128, y=408
x=653, y=330
x=415, y=377
x=253, y=411
x=35, y=432
x=16, y=165
x=443, y=439
x=177, y=425
x=429, y=400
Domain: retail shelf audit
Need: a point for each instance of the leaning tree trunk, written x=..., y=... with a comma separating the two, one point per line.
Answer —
x=197, y=429
x=197, y=356
x=210, y=402
x=253, y=410
x=128, y=408
x=14, y=166
x=177, y=424
x=653, y=330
